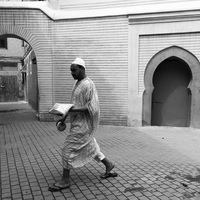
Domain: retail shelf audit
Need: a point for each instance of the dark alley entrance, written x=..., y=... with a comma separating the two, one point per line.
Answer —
x=18, y=71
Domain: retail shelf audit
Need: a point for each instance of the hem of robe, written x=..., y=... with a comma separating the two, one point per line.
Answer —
x=82, y=164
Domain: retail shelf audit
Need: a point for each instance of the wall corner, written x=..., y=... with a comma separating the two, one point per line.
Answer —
x=54, y=4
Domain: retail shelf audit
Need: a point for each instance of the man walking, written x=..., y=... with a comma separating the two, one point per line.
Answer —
x=80, y=146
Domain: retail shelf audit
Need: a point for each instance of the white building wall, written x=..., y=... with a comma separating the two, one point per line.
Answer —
x=102, y=4
x=14, y=48
x=103, y=44
x=113, y=43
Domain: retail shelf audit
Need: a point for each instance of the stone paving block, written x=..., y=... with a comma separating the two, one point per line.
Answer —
x=144, y=198
x=164, y=198
x=40, y=197
x=132, y=198
x=167, y=194
x=48, y=197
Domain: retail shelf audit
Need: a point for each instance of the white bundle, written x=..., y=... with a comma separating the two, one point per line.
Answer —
x=60, y=108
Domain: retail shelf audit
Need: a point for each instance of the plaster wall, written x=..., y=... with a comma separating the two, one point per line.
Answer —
x=103, y=44
x=14, y=47
x=104, y=4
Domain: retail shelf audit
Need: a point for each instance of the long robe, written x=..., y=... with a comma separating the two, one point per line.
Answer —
x=80, y=146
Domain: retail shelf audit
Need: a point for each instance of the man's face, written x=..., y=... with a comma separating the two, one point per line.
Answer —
x=75, y=71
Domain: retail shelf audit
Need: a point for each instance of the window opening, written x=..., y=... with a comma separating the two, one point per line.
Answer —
x=3, y=43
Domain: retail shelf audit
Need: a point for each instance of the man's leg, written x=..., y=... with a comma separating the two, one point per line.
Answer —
x=108, y=164
x=65, y=180
x=66, y=168
x=101, y=157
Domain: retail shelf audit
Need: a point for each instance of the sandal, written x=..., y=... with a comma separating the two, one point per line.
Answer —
x=56, y=188
x=107, y=175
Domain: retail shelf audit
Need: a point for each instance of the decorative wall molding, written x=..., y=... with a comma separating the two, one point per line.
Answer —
x=164, y=17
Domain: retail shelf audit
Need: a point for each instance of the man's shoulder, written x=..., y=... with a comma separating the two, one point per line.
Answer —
x=88, y=84
x=88, y=81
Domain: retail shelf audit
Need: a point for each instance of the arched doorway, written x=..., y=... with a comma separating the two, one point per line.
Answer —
x=188, y=68
x=171, y=97
x=18, y=71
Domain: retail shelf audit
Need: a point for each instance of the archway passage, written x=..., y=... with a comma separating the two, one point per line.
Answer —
x=18, y=72
x=171, y=99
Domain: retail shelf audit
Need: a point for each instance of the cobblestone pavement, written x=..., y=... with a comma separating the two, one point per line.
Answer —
x=152, y=163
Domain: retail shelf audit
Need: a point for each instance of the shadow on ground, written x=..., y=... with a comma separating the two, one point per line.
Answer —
x=16, y=112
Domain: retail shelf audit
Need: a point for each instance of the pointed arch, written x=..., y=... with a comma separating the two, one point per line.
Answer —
x=194, y=86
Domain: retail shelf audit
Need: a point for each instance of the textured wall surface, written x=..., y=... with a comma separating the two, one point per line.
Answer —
x=116, y=47
x=101, y=42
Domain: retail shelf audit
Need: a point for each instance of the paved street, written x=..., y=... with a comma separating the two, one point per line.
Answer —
x=152, y=163
x=16, y=112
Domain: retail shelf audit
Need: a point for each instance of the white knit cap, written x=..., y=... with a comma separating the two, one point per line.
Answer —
x=79, y=61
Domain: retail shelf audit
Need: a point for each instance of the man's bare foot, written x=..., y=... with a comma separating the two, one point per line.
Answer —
x=62, y=183
x=109, y=167
x=108, y=164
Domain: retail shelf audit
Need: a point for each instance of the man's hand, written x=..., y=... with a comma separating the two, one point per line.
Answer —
x=63, y=118
x=73, y=111
x=78, y=109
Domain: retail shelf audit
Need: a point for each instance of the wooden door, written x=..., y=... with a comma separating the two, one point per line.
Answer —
x=9, y=89
x=171, y=96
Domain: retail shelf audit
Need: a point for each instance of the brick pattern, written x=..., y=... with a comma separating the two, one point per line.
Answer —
x=147, y=168
x=101, y=42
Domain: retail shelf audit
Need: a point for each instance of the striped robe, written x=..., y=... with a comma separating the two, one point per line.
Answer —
x=80, y=146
